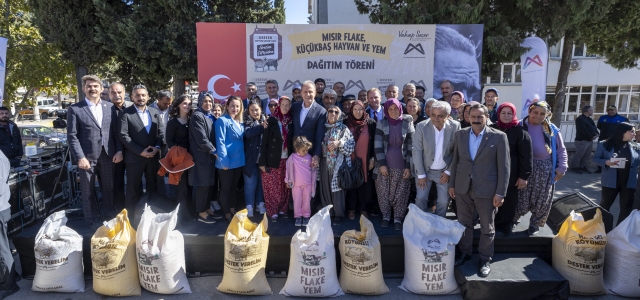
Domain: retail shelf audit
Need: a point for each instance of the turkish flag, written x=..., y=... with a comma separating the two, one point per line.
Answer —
x=222, y=59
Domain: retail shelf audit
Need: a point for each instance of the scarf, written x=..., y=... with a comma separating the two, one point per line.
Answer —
x=332, y=133
x=285, y=119
x=513, y=122
x=393, y=101
x=455, y=110
x=357, y=125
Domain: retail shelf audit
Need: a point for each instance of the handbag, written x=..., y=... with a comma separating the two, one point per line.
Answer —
x=350, y=177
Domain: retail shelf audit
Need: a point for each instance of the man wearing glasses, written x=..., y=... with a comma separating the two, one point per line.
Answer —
x=607, y=123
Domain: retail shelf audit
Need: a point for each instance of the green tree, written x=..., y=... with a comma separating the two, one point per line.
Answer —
x=31, y=63
x=70, y=24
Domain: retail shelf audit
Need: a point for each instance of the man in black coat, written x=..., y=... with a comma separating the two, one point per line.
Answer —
x=308, y=120
x=586, y=133
x=117, y=98
x=142, y=134
x=10, y=139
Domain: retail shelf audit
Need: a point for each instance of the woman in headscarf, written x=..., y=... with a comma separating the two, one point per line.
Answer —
x=274, y=151
x=457, y=98
x=363, y=129
x=254, y=125
x=549, y=166
x=337, y=144
x=202, y=147
x=464, y=119
x=521, y=164
x=615, y=179
x=392, y=146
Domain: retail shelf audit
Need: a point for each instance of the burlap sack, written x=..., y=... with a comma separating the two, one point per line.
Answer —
x=622, y=270
x=58, y=253
x=160, y=250
x=578, y=253
x=113, y=255
x=245, y=256
x=312, y=264
x=361, y=271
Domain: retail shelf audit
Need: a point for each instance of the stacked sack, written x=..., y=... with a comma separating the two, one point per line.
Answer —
x=160, y=250
x=113, y=255
x=245, y=257
x=578, y=253
x=312, y=264
x=361, y=271
x=622, y=270
x=429, y=253
x=58, y=253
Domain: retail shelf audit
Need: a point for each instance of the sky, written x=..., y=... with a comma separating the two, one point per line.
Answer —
x=297, y=11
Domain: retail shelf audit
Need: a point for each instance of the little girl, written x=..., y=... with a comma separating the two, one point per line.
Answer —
x=301, y=177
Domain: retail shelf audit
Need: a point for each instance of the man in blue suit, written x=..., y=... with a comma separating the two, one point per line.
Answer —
x=308, y=120
x=94, y=144
x=251, y=90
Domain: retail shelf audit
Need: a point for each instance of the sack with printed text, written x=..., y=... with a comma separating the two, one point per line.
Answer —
x=578, y=253
x=622, y=270
x=245, y=257
x=361, y=271
x=58, y=254
x=429, y=253
x=160, y=252
x=113, y=256
x=312, y=264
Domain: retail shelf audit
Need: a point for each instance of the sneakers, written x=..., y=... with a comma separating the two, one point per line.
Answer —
x=305, y=221
x=298, y=222
x=274, y=218
x=284, y=215
x=207, y=220
x=250, y=211
x=261, y=208
x=384, y=223
x=397, y=226
x=533, y=230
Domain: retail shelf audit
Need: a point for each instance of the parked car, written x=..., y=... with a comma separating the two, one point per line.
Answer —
x=27, y=113
x=62, y=113
x=41, y=135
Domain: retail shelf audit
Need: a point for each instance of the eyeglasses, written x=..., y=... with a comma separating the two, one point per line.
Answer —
x=333, y=112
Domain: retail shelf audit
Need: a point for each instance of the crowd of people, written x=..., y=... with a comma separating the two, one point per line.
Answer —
x=295, y=149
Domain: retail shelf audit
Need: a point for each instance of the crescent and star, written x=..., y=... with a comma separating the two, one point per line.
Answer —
x=212, y=83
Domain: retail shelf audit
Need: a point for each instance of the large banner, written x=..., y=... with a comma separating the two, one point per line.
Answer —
x=534, y=72
x=360, y=56
x=3, y=65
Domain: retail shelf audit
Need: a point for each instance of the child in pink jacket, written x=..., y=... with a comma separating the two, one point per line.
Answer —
x=301, y=177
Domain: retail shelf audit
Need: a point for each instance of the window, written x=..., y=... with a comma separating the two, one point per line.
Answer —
x=626, y=99
x=580, y=50
x=505, y=74
x=556, y=50
x=577, y=97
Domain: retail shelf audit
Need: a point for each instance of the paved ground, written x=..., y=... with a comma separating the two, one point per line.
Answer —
x=205, y=287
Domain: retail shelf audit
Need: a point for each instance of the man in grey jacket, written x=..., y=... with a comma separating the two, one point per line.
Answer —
x=479, y=179
x=8, y=284
x=432, y=154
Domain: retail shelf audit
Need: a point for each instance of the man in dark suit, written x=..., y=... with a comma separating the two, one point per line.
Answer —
x=308, y=120
x=271, y=86
x=251, y=90
x=117, y=97
x=479, y=178
x=10, y=138
x=94, y=146
x=142, y=134
x=374, y=110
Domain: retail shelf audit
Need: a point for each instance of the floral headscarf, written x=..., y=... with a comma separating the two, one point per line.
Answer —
x=546, y=124
x=455, y=110
x=285, y=119
x=393, y=101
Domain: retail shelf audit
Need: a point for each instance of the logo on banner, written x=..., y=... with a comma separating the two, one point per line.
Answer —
x=357, y=84
x=536, y=60
x=290, y=83
x=265, y=49
x=1, y=63
x=411, y=47
x=212, y=83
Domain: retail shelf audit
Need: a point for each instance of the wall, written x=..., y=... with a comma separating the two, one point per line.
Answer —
x=594, y=71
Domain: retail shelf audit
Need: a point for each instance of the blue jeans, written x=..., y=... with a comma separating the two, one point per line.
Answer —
x=253, y=187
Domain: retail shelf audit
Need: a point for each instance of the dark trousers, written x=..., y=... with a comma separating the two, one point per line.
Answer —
x=626, y=200
x=118, y=186
x=103, y=169
x=506, y=212
x=467, y=205
x=359, y=198
x=7, y=265
x=201, y=197
x=135, y=171
x=229, y=188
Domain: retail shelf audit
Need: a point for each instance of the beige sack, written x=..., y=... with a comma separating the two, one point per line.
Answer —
x=361, y=271
x=245, y=256
x=113, y=256
x=578, y=253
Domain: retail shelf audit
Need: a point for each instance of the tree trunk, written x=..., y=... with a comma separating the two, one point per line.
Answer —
x=24, y=100
x=178, y=86
x=80, y=72
x=557, y=104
